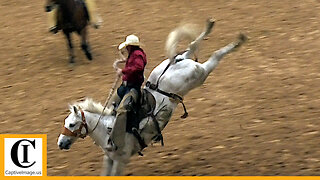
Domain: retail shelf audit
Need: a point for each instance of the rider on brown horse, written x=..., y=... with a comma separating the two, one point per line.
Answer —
x=95, y=19
x=72, y=16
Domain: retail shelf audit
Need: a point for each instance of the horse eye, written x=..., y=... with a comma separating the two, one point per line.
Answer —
x=71, y=125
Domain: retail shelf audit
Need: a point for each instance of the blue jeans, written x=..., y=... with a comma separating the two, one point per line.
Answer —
x=123, y=90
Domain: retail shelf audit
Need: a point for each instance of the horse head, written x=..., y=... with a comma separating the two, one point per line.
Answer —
x=74, y=127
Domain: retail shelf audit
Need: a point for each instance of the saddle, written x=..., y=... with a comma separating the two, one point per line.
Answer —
x=69, y=20
x=144, y=108
x=141, y=110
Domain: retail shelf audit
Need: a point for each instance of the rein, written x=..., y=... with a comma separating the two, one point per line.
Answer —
x=77, y=133
x=115, y=66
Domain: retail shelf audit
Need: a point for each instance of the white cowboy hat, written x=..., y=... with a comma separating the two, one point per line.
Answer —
x=130, y=40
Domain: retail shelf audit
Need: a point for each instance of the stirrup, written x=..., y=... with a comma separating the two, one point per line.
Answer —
x=54, y=29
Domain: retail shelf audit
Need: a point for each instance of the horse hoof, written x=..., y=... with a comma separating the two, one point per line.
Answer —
x=86, y=50
x=211, y=21
x=243, y=38
x=89, y=56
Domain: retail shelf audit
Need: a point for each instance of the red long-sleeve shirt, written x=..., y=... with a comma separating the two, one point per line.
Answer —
x=134, y=68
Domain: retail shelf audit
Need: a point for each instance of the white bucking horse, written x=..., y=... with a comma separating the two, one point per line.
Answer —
x=168, y=83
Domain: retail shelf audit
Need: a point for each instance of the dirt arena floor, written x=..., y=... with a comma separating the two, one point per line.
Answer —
x=257, y=113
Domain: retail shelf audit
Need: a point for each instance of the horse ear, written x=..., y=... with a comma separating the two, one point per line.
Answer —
x=75, y=109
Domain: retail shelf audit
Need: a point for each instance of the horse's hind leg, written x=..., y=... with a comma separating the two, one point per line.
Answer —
x=218, y=55
x=84, y=43
x=193, y=46
x=71, y=53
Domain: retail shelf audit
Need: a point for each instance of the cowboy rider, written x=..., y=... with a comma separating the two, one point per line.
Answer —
x=129, y=91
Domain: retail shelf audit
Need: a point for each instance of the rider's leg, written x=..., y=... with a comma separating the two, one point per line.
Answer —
x=117, y=97
x=118, y=132
x=52, y=20
x=95, y=19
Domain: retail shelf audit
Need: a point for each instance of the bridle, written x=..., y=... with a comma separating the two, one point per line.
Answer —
x=77, y=133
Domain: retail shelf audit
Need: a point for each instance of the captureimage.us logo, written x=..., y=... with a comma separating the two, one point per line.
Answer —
x=23, y=156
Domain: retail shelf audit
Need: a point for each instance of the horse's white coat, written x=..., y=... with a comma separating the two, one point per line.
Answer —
x=180, y=78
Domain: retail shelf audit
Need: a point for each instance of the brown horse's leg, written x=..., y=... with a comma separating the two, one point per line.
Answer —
x=71, y=54
x=84, y=43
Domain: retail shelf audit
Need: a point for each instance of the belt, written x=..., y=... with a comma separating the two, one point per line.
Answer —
x=126, y=83
x=170, y=95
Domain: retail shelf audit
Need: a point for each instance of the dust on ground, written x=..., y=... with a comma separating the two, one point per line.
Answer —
x=257, y=113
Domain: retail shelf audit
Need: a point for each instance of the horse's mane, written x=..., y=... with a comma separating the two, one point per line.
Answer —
x=91, y=106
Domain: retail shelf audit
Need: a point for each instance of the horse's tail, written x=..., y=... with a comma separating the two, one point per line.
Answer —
x=185, y=31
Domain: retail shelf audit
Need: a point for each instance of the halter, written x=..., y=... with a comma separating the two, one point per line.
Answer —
x=77, y=133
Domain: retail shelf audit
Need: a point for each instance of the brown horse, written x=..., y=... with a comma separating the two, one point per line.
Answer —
x=72, y=16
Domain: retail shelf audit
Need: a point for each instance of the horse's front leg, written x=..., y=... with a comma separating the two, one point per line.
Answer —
x=107, y=166
x=117, y=168
x=71, y=53
x=84, y=42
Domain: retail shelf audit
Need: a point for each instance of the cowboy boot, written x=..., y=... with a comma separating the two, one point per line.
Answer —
x=117, y=136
